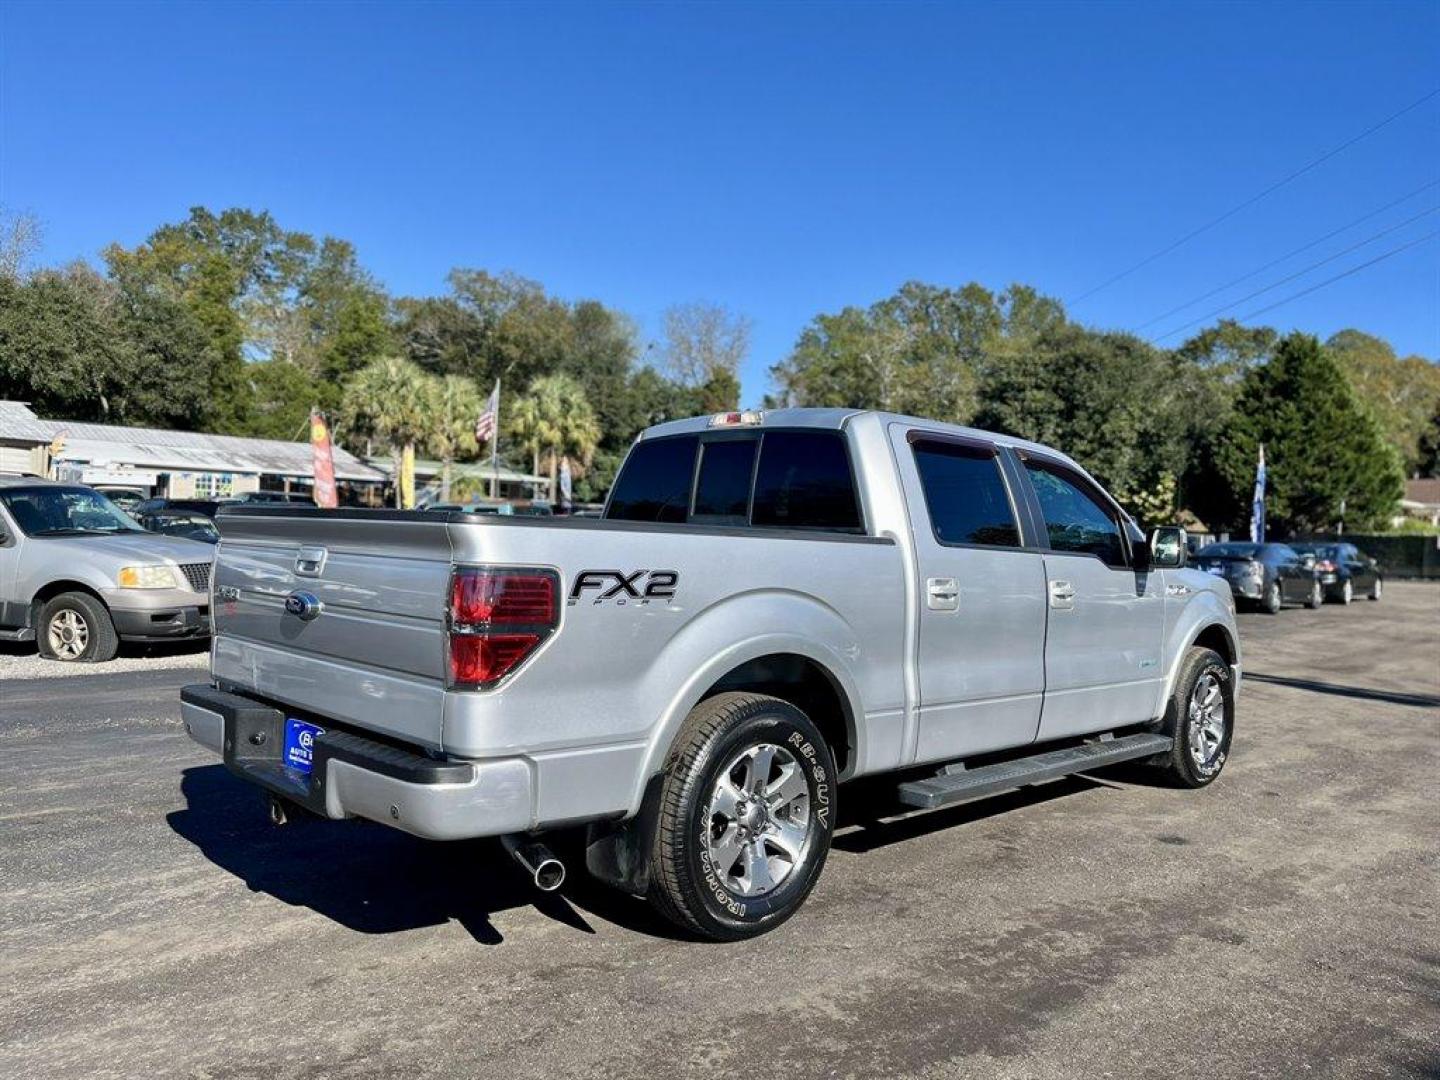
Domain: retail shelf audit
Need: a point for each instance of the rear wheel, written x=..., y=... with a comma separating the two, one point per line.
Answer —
x=1201, y=719
x=1271, y=602
x=76, y=628
x=1347, y=591
x=1375, y=590
x=1316, y=597
x=747, y=808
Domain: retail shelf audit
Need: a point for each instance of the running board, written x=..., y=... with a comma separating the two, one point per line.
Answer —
x=958, y=786
x=25, y=633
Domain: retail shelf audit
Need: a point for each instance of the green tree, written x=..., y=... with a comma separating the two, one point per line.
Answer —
x=554, y=422
x=703, y=349
x=1322, y=448
x=1402, y=394
x=925, y=350
x=77, y=345
x=455, y=405
x=1109, y=400
x=1428, y=457
x=281, y=395
x=392, y=400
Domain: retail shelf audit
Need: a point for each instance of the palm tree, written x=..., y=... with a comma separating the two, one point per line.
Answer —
x=392, y=399
x=554, y=420
x=455, y=406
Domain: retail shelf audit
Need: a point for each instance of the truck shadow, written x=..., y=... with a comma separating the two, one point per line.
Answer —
x=872, y=817
x=377, y=880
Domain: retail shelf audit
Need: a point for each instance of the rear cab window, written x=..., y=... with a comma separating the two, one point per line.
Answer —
x=764, y=479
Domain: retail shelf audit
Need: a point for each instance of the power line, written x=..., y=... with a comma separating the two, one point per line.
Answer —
x=1228, y=214
x=1330, y=281
x=1288, y=255
x=1298, y=273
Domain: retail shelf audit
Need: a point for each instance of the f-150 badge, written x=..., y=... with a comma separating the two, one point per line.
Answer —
x=622, y=586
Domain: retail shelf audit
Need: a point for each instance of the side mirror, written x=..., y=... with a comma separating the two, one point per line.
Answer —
x=1167, y=547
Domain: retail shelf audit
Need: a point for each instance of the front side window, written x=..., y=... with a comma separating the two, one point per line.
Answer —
x=965, y=495
x=1075, y=519
x=655, y=483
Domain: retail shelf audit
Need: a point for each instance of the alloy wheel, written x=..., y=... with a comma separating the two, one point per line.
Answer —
x=1207, y=720
x=68, y=634
x=759, y=826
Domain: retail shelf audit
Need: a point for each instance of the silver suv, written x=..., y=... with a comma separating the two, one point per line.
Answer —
x=78, y=576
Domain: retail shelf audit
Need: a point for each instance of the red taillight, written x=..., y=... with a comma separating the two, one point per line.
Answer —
x=497, y=619
x=488, y=597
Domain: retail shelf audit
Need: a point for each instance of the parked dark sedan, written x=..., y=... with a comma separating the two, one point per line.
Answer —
x=1345, y=571
x=1263, y=574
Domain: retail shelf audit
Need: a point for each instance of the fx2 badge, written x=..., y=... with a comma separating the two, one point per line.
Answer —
x=623, y=587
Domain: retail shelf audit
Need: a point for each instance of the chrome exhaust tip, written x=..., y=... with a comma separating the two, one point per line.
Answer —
x=546, y=871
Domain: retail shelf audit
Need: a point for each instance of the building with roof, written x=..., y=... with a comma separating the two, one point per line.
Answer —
x=176, y=464
x=1422, y=499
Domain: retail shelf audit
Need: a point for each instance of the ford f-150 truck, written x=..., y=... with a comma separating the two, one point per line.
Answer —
x=772, y=604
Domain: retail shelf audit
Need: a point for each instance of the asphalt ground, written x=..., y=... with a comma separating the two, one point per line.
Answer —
x=1281, y=923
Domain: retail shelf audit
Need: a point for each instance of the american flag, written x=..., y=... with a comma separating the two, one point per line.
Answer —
x=490, y=417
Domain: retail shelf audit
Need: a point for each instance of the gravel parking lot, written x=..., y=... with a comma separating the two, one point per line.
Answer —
x=1280, y=923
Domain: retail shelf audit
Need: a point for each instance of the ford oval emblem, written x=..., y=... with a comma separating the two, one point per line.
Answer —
x=303, y=605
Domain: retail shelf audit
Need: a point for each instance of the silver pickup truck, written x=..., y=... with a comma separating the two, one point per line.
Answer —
x=773, y=604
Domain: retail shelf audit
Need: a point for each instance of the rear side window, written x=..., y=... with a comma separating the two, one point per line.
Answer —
x=723, y=491
x=965, y=495
x=655, y=483
x=804, y=482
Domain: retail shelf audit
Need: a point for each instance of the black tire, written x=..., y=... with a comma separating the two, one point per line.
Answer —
x=1272, y=602
x=1316, y=597
x=1347, y=591
x=1179, y=766
x=78, y=614
x=685, y=884
x=1377, y=590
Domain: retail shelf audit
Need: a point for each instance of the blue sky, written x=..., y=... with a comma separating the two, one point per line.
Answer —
x=782, y=160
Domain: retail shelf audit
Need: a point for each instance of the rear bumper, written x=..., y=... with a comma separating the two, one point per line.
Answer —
x=1246, y=588
x=161, y=624
x=355, y=776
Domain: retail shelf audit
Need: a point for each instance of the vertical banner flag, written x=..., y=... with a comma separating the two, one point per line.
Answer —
x=566, y=485
x=407, y=477
x=322, y=461
x=1257, y=508
x=486, y=427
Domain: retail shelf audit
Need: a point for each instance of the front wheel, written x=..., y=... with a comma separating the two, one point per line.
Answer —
x=1271, y=603
x=747, y=809
x=1201, y=720
x=1375, y=590
x=75, y=627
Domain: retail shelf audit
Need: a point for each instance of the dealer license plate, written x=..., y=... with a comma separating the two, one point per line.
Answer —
x=300, y=744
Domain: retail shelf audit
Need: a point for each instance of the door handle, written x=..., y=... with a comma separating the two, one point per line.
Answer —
x=1062, y=595
x=942, y=594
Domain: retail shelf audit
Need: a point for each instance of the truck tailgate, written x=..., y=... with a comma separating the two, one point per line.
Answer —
x=376, y=658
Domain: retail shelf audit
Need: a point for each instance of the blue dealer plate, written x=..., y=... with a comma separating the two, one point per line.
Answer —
x=299, y=752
